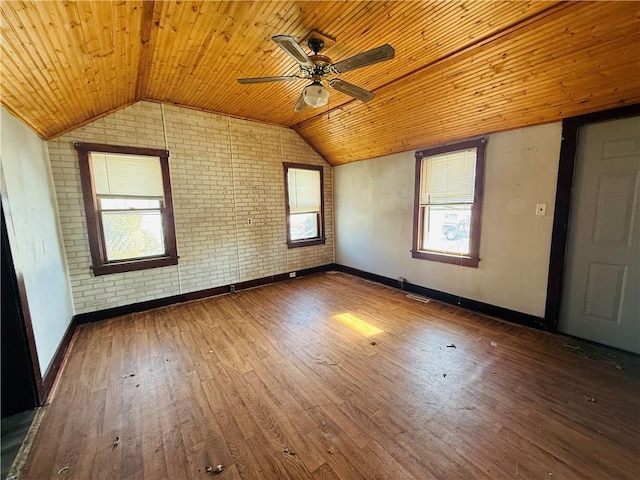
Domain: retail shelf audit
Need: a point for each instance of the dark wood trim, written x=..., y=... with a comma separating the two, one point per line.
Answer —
x=418, y=213
x=5, y=208
x=287, y=207
x=130, y=266
x=168, y=222
x=100, y=265
x=102, y=147
x=462, y=260
x=451, y=147
x=148, y=305
x=306, y=243
x=197, y=295
x=96, y=246
x=311, y=241
x=31, y=339
x=467, y=303
x=562, y=209
x=56, y=362
x=263, y=281
x=475, y=230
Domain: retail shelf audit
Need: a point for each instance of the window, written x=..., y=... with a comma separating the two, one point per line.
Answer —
x=448, y=203
x=304, y=204
x=127, y=201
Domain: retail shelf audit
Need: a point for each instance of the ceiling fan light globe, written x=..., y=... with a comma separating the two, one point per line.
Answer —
x=315, y=95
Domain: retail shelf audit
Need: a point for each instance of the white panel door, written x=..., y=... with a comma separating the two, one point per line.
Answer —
x=602, y=276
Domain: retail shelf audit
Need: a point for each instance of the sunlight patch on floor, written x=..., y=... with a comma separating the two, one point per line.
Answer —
x=357, y=324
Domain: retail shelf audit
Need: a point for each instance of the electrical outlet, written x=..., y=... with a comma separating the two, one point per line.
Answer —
x=292, y=274
x=541, y=209
x=249, y=221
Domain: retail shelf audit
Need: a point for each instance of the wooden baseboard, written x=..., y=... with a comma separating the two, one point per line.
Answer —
x=44, y=385
x=473, y=305
x=467, y=303
x=186, y=297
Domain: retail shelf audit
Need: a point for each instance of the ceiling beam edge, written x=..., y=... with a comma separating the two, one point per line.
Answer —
x=312, y=147
x=89, y=120
x=150, y=18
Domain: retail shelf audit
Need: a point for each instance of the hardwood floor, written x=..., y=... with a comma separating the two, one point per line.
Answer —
x=356, y=379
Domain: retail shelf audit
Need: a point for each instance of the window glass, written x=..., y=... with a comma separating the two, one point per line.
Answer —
x=127, y=196
x=304, y=205
x=448, y=204
x=303, y=225
x=446, y=228
x=130, y=235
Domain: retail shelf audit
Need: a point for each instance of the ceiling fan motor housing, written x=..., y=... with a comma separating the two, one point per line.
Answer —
x=321, y=65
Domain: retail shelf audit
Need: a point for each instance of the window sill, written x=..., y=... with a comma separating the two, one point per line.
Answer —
x=133, y=265
x=464, y=261
x=305, y=243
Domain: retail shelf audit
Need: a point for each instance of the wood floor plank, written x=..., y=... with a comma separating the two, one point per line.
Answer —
x=246, y=379
x=337, y=459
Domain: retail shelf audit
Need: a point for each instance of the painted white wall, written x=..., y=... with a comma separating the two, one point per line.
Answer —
x=374, y=221
x=31, y=213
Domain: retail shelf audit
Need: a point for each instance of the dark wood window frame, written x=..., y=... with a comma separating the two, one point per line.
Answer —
x=100, y=264
x=473, y=258
x=321, y=239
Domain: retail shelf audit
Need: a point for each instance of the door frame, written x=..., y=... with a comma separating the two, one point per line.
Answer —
x=41, y=390
x=560, y=233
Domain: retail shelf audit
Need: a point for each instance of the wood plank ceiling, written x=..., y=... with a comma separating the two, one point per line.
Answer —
x=462, y=68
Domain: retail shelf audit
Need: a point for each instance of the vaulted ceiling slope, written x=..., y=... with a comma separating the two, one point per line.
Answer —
x=462, y=68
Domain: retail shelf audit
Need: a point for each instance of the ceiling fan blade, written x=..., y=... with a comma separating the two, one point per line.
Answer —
x=295, y=51
x=300, y=104
x=245, y=81
x=352, y=90
x=379, y=54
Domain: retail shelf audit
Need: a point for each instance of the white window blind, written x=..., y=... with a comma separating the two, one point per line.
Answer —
x=304, y=190
x=127, y=175
x=448, y=178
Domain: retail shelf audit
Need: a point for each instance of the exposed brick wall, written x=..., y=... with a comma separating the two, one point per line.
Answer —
x=224, y=171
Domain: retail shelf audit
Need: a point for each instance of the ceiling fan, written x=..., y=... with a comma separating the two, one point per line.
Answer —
x=318, y=67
